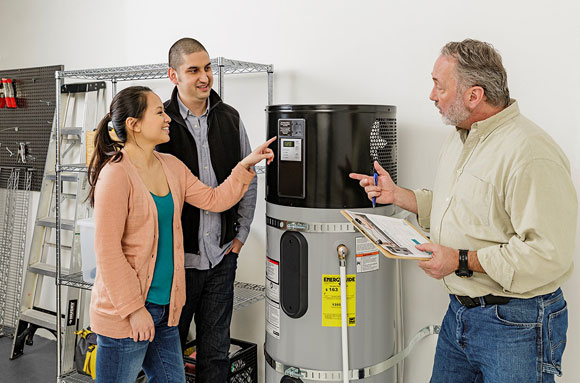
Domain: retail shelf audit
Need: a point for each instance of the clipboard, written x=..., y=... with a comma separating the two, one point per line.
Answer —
x=393, y=237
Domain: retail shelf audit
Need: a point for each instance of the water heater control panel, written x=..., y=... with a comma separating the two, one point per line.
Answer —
x=291, y=166
x=291, y=149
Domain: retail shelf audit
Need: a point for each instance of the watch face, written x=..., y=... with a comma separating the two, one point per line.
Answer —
x=461, y=273
x=464, y=273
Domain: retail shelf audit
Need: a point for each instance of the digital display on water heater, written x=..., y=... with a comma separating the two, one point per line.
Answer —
x=291, y=149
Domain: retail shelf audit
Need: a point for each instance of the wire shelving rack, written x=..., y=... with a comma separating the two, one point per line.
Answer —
x=244, y=293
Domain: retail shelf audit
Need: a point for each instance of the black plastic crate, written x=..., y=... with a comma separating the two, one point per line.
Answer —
x=243, y=365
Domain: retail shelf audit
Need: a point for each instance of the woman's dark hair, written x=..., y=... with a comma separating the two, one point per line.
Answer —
x=130, y=102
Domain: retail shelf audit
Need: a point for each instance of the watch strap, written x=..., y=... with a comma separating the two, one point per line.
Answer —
x=463, y=270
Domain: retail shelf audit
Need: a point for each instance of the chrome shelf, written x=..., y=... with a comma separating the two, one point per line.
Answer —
x=82, y=168
x=76, y=168
x=137, y=72
x=75, y=377
x=239, y=67
x=157, y=71
x=75, y=280
x=244, y=293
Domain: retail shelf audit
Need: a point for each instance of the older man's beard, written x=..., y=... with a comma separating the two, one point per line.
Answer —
x=457, y=113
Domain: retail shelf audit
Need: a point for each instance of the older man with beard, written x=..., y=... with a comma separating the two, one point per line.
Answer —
x=502, y=218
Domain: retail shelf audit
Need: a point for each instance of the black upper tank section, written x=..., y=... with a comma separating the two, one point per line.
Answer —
x=337, y=140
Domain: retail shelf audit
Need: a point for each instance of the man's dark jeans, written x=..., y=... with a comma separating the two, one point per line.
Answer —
x=210, y=299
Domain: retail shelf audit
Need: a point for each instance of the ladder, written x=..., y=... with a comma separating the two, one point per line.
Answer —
x=81, y=105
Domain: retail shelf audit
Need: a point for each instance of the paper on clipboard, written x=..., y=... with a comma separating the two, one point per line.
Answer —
x=394, y=237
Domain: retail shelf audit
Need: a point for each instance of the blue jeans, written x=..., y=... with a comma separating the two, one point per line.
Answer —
x=210, y=298
x=120, y=360
x=521, y=341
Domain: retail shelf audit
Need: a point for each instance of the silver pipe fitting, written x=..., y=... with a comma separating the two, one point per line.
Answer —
x=342, y=252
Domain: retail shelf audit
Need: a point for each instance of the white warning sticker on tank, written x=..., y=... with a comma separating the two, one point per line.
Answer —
x=367, y=256
x=273, y=290
x=272, y=268
x=273, y=318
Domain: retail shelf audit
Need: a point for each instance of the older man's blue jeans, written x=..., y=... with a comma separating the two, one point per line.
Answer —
x=521, y=341
x=120, y=360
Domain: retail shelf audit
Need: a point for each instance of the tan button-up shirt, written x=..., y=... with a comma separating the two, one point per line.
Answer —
x=503, y=188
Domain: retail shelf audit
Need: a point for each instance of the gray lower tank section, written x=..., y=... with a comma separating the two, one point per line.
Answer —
x=303, y=342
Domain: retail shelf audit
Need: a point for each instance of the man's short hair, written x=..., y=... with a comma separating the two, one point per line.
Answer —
x=182, y=47
x=478, y=63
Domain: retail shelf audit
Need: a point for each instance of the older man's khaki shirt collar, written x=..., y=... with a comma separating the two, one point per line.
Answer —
x=485, y=127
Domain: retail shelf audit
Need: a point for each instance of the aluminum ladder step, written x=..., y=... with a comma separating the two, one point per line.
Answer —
x=39, y=318
x=71, y=131
x=67, y=195
x=53, y=245
x=65, y=224
x=46, y=269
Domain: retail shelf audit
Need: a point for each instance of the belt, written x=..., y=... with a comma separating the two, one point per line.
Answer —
x=488, y=300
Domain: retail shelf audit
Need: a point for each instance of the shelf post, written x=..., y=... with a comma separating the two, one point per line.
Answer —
x=59, y=82
x=270, y=84
x=220, y=61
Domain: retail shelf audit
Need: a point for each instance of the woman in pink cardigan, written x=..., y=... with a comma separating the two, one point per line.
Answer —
x=138, y=195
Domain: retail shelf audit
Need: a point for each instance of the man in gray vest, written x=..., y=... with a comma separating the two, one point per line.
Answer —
x=209, y=137
x=502, y=217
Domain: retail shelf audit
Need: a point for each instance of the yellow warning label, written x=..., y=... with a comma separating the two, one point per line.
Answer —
x=331, y=300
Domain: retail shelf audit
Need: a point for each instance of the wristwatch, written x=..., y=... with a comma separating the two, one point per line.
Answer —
x=463, y=270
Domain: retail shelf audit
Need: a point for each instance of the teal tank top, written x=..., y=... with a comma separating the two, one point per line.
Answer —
x=160, y=290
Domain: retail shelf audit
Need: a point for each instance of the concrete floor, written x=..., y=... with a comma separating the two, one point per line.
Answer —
x=38, y=364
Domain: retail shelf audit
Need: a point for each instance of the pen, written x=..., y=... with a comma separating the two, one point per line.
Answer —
x=376, y=177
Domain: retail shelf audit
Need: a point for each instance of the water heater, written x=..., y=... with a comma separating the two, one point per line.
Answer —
x=307, y=186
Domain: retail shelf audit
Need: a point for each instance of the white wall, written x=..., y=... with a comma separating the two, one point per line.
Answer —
x=337, y=51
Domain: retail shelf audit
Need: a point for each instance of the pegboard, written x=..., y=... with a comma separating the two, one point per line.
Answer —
x=36, y=99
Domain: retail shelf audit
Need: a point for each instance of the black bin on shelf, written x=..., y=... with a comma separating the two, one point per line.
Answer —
x=243, y=364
